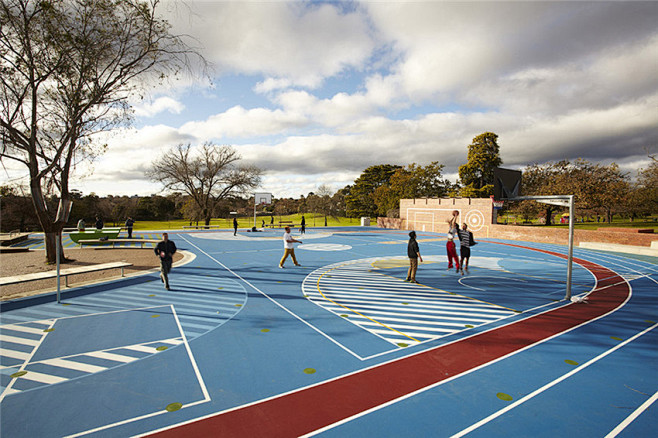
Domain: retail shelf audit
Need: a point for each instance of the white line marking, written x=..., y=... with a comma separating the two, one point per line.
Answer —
x=110, y=356
x=17, y=340
x=78, y=366
x=275, y=302
x=14, y=354
x=550, y=384
x=22, y=328
x=636, y=413
x=8, y=389
x=42, y=378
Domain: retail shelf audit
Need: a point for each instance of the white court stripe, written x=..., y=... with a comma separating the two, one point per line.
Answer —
x=111, y=356
x=14, y=354
x=355, y=296
x=173, y=341
x=69, y=364
x=42, y=378
x=426, y=331
x=628, y=420
x=17, y=340
x=142, y=348
x=420, y=323
x=363, y=308
x=22, y=328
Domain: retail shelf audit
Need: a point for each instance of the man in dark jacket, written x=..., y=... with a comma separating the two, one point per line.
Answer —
x=165, y=249
x=414, y=255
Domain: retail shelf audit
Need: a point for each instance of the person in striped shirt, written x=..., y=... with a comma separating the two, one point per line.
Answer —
x=465, y=243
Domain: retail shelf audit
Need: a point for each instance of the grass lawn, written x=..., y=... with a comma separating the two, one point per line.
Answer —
x=248, y=222
x=617, y=222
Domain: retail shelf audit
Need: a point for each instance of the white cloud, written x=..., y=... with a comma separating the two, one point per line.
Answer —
x=296, y=41
x=159, y=105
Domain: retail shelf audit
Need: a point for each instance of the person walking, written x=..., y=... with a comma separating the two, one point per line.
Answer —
x=465, y=243
x=452, y=252
x=165, y=249
x=288, y=248
x=303, y=230
x=414, y=255
x=235, y=226
x=129, y=226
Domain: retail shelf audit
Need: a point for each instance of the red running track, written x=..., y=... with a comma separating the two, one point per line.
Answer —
x=312, y=408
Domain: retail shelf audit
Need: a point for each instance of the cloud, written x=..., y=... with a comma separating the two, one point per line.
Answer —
x=240, y=122
x=294, y=41
x=158, y=106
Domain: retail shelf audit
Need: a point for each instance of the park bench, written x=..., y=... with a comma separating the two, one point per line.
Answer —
x=203, y=227
x=4, y=281
x=115, y=241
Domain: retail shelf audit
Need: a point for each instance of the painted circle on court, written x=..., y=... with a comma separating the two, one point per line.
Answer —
x=325, y=247
x=475, y=220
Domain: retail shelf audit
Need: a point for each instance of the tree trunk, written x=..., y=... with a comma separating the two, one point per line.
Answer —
x=549, y=216
x=50, y=241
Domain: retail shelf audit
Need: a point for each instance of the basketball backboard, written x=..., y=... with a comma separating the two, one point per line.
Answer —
x=262, y=198
x=507, y=183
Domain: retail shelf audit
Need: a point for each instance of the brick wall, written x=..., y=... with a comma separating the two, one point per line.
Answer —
x=431, y=214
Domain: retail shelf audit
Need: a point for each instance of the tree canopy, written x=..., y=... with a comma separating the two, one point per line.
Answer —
x=414, y=181
x=67, y=71
x=360, y=201
x=207, y=175
x=477, y=174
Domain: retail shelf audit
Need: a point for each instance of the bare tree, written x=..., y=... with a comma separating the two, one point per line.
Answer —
x=67, y=69
x=207, y=177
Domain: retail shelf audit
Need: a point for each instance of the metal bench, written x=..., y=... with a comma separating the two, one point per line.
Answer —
x=115, y=241
x=4, y=281
x=202, y=227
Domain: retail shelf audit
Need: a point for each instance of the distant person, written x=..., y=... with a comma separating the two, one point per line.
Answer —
x=453, y=223
x=414, y=255
x=235, y=226
x=272, y=220
x=303, y=230
x=165, y=249
x=465, y=243
x=81, y=224
x=263, y=224
x=129, y=226
x=288, y=248
x=452, y=252
x=99, y=223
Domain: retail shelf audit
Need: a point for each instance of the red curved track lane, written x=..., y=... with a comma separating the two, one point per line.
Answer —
x=315, y=407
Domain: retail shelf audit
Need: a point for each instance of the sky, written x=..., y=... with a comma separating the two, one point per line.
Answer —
x=313, y=93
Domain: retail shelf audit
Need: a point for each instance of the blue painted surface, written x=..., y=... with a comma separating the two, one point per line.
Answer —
x=267, y=333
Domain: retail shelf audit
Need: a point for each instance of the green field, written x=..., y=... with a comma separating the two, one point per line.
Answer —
x=617, y=222
x=248, y=222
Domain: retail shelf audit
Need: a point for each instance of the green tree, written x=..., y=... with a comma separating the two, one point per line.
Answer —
x=67, y=70
x=643, y=198
x=360, y=200
x=477, y=174
x=411, y=182
x=596, y=187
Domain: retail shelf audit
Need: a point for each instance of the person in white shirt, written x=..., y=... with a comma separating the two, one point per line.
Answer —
x=288, y=248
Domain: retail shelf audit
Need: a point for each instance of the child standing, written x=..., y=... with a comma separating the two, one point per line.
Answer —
x=452, y=252
x=414, y=255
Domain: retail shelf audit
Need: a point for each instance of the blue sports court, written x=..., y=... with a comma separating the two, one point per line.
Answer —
x=340, y=346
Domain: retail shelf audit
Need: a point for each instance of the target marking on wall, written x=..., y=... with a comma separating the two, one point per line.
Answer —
x=475, y=220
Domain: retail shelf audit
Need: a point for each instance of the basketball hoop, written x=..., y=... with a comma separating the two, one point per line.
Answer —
x=497, y=205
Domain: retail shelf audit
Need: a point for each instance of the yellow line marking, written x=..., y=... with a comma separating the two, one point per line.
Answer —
x=354, y=311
